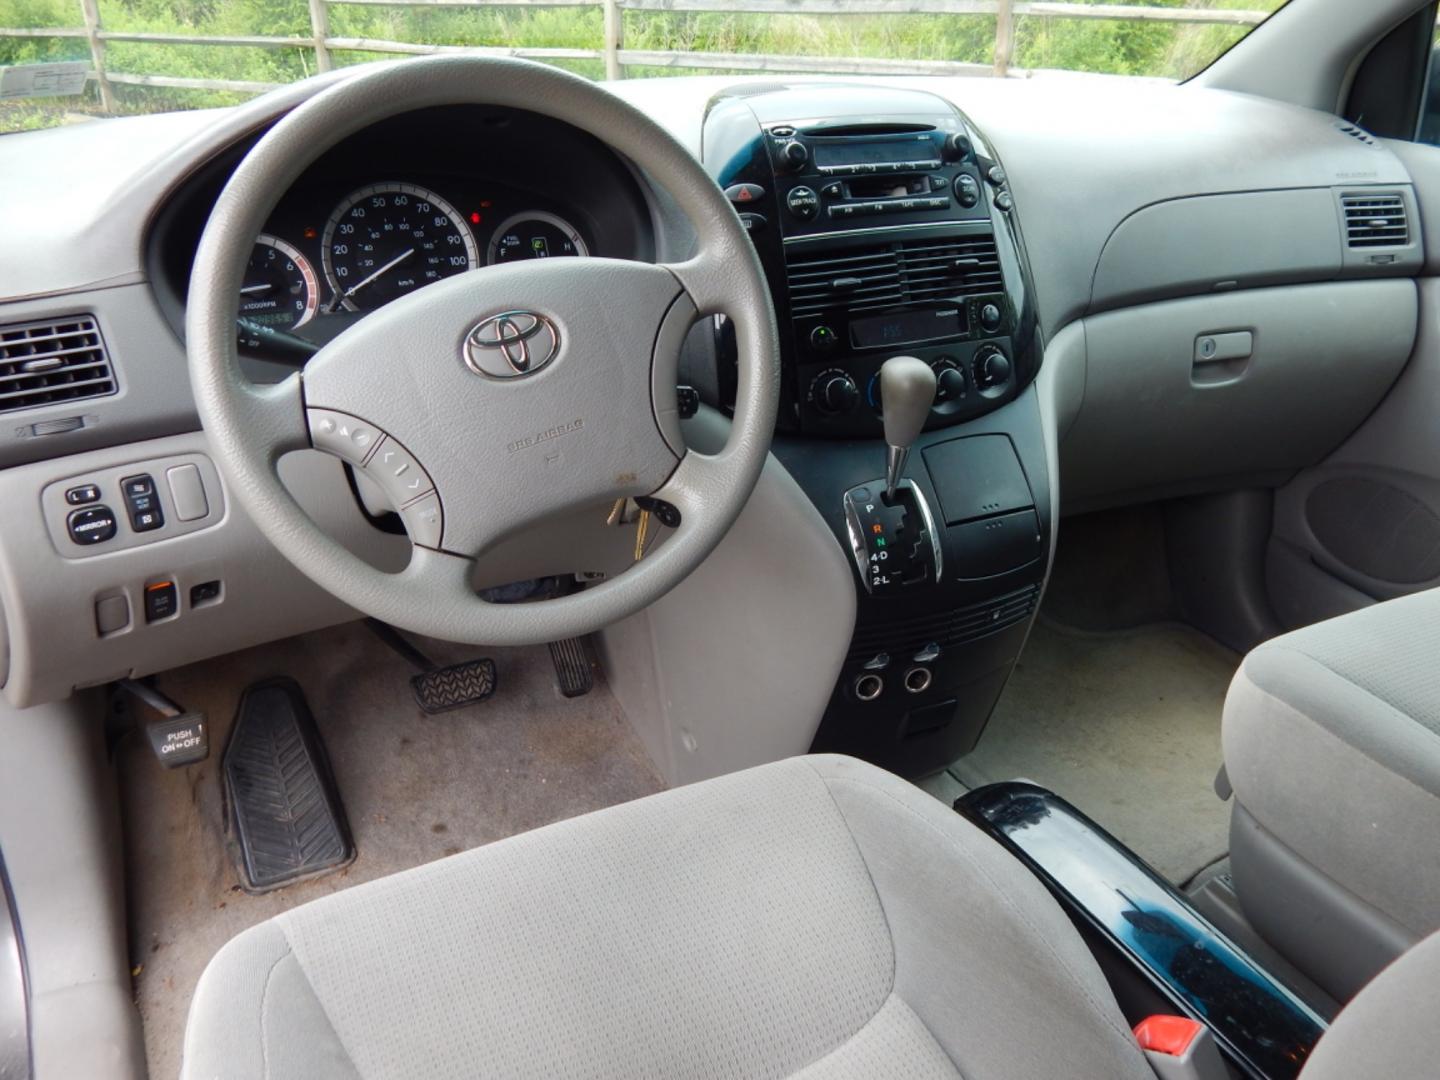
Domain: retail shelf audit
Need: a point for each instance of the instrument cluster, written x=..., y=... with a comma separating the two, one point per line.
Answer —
x=354, y=249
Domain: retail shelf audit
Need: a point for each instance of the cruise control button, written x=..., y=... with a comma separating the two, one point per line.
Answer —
x=395, y=469
x=744, y=193
x=343, y=435
x=424, y=521
x=82, y=494
x=93, y=525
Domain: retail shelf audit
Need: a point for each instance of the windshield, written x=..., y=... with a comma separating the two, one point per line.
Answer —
x=65, y=61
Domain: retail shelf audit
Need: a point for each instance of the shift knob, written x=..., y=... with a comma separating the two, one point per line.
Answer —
x=907, y=394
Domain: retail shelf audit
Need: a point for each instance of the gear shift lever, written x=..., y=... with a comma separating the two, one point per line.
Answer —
x=907, y=393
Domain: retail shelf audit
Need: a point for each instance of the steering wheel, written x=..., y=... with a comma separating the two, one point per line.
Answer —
x=499, y=397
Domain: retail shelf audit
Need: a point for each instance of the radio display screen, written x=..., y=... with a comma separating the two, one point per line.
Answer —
x=856, y=153
x=907, y=327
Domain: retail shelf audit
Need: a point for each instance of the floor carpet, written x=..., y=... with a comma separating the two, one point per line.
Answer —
x=1126, y=726
x=415, y=789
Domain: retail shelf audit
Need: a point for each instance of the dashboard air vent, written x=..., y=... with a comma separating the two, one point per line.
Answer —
x=888, y=275
x=1375, y=219
x=44, y=363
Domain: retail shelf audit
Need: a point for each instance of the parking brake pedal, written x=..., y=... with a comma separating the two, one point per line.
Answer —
x=572, y=667
x=439, y=689
x=178, y=737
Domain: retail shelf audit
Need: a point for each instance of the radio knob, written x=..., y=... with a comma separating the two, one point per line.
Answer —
x=835, y=393
x=793, y=155
x=957, y=147
x=992, y=368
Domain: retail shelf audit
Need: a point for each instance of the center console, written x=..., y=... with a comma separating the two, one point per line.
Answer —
x=888, y=232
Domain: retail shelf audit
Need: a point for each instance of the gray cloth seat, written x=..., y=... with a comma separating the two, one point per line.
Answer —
x=1332, y=745
x=813, y=918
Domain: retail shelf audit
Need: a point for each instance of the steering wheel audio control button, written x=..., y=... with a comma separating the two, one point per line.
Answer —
x=425, y=521
x=395, y=469
x=343, y=435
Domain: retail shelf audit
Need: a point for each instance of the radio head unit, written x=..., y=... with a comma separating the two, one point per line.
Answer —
x=882, y=222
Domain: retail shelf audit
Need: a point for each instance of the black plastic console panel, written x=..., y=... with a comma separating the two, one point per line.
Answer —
x=928, y=661
x=1266, y=1031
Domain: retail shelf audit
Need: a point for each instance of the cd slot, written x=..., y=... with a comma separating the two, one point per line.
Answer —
x=887, y=187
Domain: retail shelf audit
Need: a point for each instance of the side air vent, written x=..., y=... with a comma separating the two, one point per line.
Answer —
x=893, y=274
x=44, y=363
x=1357, y=133
x=1375, y=220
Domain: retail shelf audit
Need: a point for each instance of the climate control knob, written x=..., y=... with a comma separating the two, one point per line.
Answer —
x=992, y=368
x=834, y=393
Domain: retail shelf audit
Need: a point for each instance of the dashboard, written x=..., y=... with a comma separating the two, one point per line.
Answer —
x=405, y=204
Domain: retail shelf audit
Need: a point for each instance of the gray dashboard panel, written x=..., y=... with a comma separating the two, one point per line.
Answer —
x=50, y=602
x=1210, y=242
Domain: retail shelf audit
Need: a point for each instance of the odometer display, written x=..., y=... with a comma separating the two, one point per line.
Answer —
x=387, y=240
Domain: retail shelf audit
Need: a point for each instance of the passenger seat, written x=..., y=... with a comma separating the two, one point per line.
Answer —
x=1332, y=745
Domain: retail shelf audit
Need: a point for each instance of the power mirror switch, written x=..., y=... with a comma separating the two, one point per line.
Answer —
x=187, y=492
x=92, y=525
x=82, y=494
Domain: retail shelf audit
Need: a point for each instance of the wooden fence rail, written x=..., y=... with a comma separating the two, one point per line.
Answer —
x=612, y=52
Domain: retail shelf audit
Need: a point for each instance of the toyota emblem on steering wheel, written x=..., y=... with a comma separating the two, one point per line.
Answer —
x=511, y=344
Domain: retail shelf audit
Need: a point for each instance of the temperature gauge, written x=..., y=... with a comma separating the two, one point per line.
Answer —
x=534, y=234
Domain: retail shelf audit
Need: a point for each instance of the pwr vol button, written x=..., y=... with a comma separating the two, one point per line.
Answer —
x=93, y=525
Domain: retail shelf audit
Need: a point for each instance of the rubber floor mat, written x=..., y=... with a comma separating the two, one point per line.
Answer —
x=288, y=822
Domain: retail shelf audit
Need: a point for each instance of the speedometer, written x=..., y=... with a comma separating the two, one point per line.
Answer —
x=387, y=240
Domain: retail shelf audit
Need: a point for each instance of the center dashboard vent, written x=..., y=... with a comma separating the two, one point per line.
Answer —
x=58, y=360
x=887, y=275
x=1375, y=219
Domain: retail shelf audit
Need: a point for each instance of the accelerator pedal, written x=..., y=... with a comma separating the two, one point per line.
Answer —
x=572, y=667
x=439, y=689
x=286, y=811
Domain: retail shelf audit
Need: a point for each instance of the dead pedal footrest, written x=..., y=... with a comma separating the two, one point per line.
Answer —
x=572, y=667
x=443, y=688
x=288, y=820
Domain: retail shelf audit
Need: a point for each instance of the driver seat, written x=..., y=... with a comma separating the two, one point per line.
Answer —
x=813, y=918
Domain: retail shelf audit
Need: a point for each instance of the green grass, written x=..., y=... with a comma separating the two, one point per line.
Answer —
x=1165, y=50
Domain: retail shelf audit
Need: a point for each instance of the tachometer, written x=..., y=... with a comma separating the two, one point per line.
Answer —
x=387, y=240
x=534, y=234
x=280, y=289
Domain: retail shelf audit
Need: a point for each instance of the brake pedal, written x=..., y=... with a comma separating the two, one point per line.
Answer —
x=439, y=689
x=573, y=670
x=288, y=819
